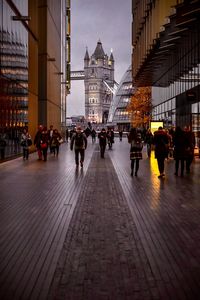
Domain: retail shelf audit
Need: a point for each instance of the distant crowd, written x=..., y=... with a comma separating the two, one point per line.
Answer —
x=178, y=144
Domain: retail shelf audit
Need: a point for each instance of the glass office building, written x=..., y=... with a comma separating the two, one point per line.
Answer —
x=119, y=117
x=166, y=56
x=13, y=74
x=34, y=67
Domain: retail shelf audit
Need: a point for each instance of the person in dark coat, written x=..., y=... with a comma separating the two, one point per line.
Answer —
x=102, y=141
x=120, y=135
x=67, y=134
x=149, y=141
x=190, y=138
x=110, y=137
x=135, y=140
x=179, y=142
x=93, y=134
x=79, y=142
x=161, y=143
x=37, y=141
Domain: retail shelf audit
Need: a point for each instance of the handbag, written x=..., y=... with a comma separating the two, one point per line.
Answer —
x=60, y=141
x=23, y=143
x=29, y=142
x=43, y=145
x=136, y=145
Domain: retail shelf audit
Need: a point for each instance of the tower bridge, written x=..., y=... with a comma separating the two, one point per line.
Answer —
x=100, y=85
x=80, y=75
x=77, y=75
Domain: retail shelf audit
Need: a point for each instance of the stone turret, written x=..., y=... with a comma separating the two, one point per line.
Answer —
x=86, y=58
x=99, y=52
x=111, y=59
x=99, y=71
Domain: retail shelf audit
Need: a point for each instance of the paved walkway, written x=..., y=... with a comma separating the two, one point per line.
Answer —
x=98, y=233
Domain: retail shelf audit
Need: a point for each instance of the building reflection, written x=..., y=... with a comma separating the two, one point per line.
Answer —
x=34, y=70
x=13, y=77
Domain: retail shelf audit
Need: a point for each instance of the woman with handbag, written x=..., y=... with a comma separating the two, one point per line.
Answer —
x=135, y=140
x=26, y=142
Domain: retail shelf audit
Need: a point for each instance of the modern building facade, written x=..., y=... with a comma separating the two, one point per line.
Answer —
x=166, y=56
x=99, y=81
x=32, y=67
x=118, y=116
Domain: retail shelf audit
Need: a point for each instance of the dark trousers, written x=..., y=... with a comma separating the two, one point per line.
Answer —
x=161, y=164
x=149, y=150
x=102, y=150
x=39, y=153
x=177, y=166
x=55, y=150
x=82, y=155
x=2, y=153
x=188, y=163
x=44, y=152
x=25, y=153
x=135, y=162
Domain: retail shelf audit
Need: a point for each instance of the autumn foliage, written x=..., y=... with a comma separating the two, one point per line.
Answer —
x=140, y=107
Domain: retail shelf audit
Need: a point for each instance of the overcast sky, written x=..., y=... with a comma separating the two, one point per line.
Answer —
x=91, y=20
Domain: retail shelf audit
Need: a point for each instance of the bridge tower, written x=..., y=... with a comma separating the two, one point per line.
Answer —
x=99, y=80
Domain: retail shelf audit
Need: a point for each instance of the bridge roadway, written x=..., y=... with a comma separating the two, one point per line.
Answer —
x=97, y=233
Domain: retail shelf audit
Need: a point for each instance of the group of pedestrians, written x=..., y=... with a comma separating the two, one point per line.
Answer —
x=79, y=142
x=178, y=144
x=181, y=141
x=45, y=139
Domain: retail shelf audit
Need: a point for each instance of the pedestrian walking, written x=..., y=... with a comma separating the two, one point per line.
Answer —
x=56, y=142
x=79, y=143
x=50, y=136
x=135, y=140
x=149, y=141
x=44, y=142
x=26, y=142
x=190, y=140
x=180, y=144
x=67, y=134
x=110, y=137
x=120, y=135
x=161, y=143
x=93, y=134
x=37, y=141
x=102, y=136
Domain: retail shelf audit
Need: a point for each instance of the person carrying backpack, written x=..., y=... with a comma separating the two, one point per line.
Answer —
x=79, y=143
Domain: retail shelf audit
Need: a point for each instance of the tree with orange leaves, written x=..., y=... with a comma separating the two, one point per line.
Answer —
x=140, y=107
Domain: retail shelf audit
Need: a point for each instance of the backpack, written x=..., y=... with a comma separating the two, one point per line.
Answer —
x=79, y=140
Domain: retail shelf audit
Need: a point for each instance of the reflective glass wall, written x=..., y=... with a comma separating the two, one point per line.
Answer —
x=13, y=75
x=118, y=114
x=166, y=56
